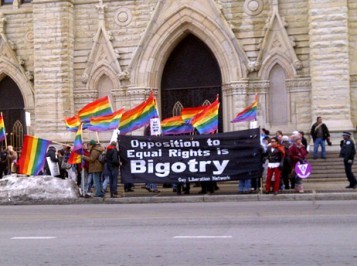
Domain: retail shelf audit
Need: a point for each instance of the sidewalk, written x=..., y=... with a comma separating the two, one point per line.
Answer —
x=318, y=189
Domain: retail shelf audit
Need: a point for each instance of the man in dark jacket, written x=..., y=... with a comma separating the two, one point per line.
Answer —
x=320, y=133
x=112, y=161
x=348, y=152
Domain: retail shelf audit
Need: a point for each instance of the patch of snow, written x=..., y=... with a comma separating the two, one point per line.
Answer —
x=21, y=188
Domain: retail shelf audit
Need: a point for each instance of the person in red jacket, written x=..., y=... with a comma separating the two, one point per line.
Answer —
x=298, y=153
x=275, y=156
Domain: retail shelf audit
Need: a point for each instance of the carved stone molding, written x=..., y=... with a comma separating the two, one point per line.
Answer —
x=259, y=86
x=83, y=95
x=298, y=85
x=123, y=17
x=253, y=7
x=140, y=91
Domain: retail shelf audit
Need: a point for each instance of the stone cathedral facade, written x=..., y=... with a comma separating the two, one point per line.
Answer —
x=299, y=56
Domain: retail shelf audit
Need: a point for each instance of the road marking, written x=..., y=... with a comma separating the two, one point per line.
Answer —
x=32, y=237
x=201, y=237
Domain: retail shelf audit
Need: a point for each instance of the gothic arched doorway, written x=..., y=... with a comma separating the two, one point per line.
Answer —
x=12, y=108
x=191, y=77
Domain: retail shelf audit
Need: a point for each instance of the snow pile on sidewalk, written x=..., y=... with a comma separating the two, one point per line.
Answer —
x=21, y=188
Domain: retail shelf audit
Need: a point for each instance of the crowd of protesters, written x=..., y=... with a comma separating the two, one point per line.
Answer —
x=280, y=155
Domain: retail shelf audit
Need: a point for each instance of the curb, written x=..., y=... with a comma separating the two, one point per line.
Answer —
x=311, y=196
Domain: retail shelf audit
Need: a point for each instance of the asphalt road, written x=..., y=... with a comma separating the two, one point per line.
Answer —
x=225, y=233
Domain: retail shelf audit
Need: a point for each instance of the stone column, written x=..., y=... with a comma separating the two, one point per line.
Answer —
x=329, y=63
x=53, y=64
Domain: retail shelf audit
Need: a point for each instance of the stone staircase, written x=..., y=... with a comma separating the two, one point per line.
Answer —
x=332, y=167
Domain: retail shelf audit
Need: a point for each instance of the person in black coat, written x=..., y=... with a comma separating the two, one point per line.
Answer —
x=112, y=163
x=51, y=152
x=348, y=152
x=3, y=162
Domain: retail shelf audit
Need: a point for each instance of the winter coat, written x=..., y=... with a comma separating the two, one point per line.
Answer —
x=297, y=153
x=52, y=154
x=112, y=158
x=348, y=150
x=325, y=132
x=95, y=166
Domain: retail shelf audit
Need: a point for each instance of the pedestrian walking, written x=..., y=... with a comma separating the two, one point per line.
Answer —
x=348, y=152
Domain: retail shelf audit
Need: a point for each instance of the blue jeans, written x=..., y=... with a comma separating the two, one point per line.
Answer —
x=113, y=181
x=88, y=183
x=97, y=185
x=244, y=185
x=319, y=142
x=105, y=183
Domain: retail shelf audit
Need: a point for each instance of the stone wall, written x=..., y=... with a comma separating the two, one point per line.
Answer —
x=57, y=41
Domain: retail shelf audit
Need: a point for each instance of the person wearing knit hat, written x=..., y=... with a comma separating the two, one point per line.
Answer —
x=95, y=167
x=348, y=152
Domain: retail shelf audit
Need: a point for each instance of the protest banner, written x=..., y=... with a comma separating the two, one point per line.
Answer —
x=173, y=159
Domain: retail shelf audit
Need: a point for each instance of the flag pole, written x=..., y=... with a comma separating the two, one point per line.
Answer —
x=4, y=131
x=96, y=133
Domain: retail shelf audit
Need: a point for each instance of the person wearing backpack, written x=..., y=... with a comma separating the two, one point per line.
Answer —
x=95, y=166
x=112, y=162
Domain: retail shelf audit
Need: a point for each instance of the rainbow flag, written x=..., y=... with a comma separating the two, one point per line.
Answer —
x=139, y=116
x=99, y=107
x=72, y=123
x=106, y=122
x=2, y=128
x=175, y=125
x=206, y=122
x=78, y=143
x=75, y=157
x=33, y=155
x=188, y=113
x=249, y=113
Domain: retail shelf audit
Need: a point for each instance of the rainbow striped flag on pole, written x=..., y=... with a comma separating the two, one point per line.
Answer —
x=33, y=156
x=75, y=157
x=175, y=125
x=78, y=143
x=206, y=122
x=107, y=122
x=72, y=123
x=99, y=107
x=139, y=116
x=189, y=112
x=2, y=128
x=249, y=113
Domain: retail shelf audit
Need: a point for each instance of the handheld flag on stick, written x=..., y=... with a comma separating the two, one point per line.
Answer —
x=78, y=143
x=249, y=113
x=75, y=157
x=188, y=113
x=139, y=116
x=107, y=122
x=33, y=155
x=99, y=107
x=2, y=128
x=175, y=125
x=206, y=122
x=72, y=123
